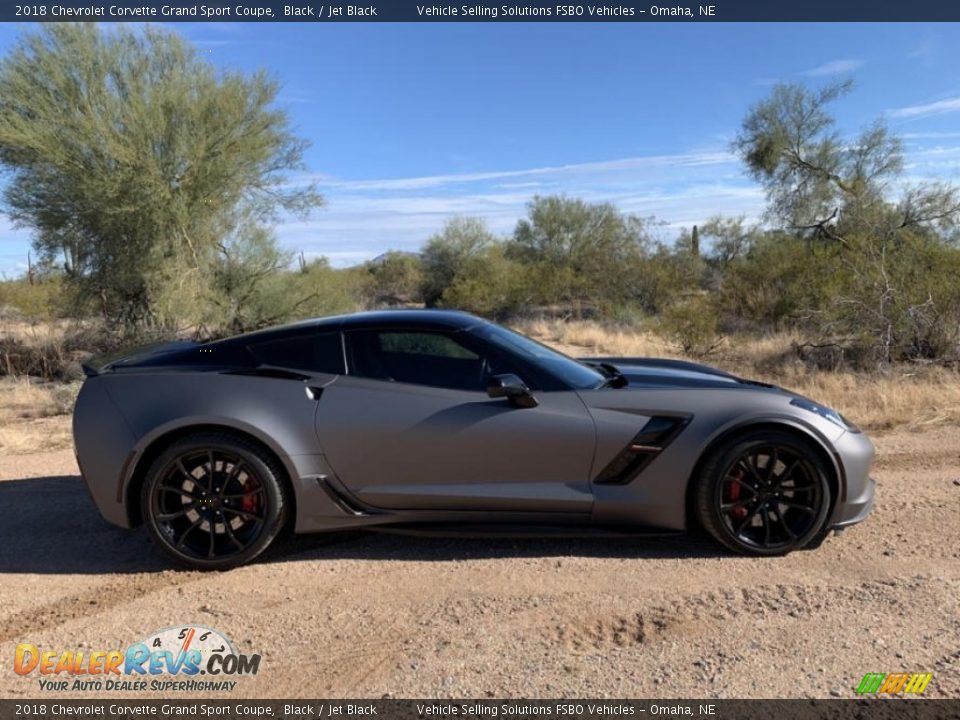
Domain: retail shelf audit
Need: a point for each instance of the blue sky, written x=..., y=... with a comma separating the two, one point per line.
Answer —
x=411, y=124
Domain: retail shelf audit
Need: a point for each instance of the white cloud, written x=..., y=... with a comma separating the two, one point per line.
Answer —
x=926, y=52
x=622, y=165
x=834, y=67
x=929, y=135
x=911, y=112
x=359, y=224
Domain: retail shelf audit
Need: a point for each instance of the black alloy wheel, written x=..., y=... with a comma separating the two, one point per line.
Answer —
x=765, y=494
x=213, y=501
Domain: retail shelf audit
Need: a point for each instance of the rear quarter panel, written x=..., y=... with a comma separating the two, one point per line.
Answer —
x=118, y=416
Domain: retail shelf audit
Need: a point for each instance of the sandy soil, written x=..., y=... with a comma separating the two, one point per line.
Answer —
x=378, y=615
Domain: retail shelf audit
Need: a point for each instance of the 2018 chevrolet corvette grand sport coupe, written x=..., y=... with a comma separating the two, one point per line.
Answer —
x=436, y=421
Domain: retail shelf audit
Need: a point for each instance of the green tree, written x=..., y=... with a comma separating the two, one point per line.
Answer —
x=582, y=252
x=730, y=238
x=325, y=290
x=777, y=281
x=841, y=193
x=446, y=254
x=245, y=292
x=396, y=278
x=133, y=160
x=490, y=284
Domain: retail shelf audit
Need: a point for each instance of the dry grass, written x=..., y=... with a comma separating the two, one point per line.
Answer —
x=915, y=398
x=35, y=333
x=35, y=415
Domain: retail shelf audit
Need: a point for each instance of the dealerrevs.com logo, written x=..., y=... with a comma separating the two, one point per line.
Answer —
x=184, y=658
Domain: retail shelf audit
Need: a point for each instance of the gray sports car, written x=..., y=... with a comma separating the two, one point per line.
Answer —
x=432, y=421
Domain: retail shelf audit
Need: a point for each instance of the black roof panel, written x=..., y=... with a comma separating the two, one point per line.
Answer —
x=432, y=319
x=416, y=318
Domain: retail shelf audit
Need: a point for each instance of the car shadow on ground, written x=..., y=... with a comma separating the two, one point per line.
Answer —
x=50, y=526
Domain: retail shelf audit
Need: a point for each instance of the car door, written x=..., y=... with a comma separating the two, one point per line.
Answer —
x=411, y=427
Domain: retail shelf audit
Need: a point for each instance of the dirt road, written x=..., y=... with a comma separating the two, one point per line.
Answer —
x=375, y=615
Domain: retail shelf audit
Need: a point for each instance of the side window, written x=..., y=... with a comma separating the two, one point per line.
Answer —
x=419, y=358
x=424, y=344
x=316, y=352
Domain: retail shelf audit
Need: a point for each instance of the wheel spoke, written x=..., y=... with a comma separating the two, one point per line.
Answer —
x=232, y=475
x=213, y=540
x=210, y=464
x=748, y=466
x=772, y=460
x=242, y=513
x=783, y=521
x=234, y=496
x=788, y=474
x=738, y=503
x=798, y=506
x=766, y=525
x=183, y=469
x=740, y=482
x=196, y=523
x=749, y=516
x=166, y=517
x=232, y=536
x=180, y=492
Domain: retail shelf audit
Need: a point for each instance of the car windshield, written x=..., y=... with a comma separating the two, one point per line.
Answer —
x=573, y=373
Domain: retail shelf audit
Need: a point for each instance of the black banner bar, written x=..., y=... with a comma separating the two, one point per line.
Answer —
x=49, y=708
x=483, y=11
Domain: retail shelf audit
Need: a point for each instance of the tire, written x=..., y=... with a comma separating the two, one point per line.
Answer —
x=213, y=520
x=763, y=494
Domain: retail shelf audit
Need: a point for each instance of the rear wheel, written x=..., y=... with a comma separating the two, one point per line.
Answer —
x=765, y=493
x=213, y=501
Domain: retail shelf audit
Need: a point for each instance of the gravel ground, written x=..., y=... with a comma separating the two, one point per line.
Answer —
x=378, y=615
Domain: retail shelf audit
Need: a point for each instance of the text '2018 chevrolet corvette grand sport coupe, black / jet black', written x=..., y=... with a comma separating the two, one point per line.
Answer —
x=436, y=421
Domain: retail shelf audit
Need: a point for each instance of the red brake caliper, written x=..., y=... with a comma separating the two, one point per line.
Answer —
x=251, y=502
x=732, y=494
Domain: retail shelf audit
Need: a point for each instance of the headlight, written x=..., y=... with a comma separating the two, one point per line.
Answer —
x=825, y=412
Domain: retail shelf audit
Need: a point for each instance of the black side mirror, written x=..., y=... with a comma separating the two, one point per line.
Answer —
x=512, y=388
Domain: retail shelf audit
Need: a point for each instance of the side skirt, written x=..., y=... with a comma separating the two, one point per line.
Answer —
x=481, y=530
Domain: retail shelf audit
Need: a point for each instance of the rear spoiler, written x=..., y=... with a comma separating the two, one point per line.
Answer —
x=99, y=364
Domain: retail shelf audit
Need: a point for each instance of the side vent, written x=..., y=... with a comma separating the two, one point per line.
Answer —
x=659, y=432
x=346, y=502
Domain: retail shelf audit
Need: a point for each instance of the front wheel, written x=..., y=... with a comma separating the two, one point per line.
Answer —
x=213, y=501
x=765, y=493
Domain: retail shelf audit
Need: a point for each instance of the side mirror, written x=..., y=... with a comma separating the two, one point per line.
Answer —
x=513, y=388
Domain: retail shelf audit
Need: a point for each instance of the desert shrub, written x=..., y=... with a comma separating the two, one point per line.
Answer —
x=40, y=300
x=778, y=282
x=490, y=284
x=446, y=254
x=395, y=278
x=899, y=299
x=653, y=281
x=47, y=359
x=581, y=254
x=692, y=324
x=322, y=290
